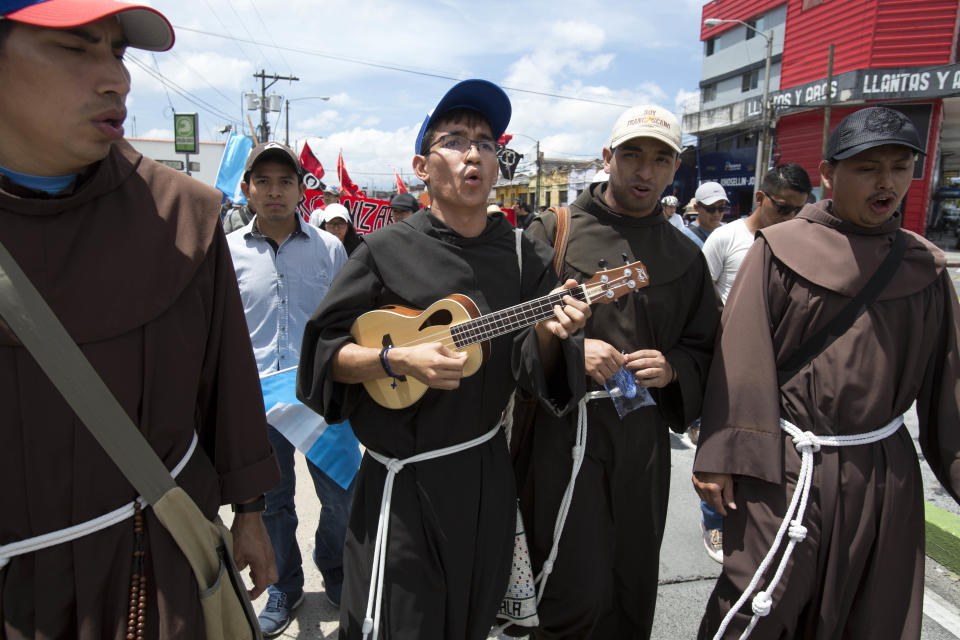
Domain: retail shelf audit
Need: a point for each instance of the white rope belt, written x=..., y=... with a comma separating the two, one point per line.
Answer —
x=579, y=447
x=371, y=623
x=807, y=443
x=60, y=536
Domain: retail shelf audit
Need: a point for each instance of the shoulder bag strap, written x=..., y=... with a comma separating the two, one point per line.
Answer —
x=560, y=241
x=37, y=327
x=818, y=343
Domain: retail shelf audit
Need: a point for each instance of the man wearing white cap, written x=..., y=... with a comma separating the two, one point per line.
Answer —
x=711, y=202
x=670, y=204
x=604, y=577
x=130, y=256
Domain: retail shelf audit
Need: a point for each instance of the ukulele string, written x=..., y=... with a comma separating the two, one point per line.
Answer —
x=438, y=336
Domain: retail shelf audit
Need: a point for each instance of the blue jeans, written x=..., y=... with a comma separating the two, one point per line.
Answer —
x=280, y=519
x=711, y=519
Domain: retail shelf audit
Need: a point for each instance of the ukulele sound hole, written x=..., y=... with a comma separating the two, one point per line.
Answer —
x=439, y=318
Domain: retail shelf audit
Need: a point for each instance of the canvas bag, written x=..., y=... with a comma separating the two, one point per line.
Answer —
x=208, y=547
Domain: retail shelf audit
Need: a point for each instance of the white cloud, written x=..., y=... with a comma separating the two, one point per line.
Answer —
x=605, y=52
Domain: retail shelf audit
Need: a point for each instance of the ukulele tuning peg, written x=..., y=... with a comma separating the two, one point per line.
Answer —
x=625, y=259
x=602, y=263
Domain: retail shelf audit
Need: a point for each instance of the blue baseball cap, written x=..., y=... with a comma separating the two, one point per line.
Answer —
x=481, y=96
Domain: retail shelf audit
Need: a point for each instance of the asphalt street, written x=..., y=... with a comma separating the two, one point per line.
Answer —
x=687, y=574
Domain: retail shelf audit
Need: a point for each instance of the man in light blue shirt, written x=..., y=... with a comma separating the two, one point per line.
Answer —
x=284, y=268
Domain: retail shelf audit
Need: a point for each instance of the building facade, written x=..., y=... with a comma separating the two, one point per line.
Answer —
x=203, y=165
x=899, y=53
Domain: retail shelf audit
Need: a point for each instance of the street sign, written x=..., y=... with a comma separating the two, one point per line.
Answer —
x=185, y=132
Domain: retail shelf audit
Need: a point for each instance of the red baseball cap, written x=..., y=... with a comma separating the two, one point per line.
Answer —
x=144, y=27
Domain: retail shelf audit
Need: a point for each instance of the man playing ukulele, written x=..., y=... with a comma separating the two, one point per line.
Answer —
x=445, y=540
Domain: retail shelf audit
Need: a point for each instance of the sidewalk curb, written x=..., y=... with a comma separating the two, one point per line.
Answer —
x=943, y=537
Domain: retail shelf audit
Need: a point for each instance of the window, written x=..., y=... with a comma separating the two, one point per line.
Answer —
x=750, y=32
x=708, y=93
x=546, y=198
x=710, y=44
x=750, y=81
x=562, y=198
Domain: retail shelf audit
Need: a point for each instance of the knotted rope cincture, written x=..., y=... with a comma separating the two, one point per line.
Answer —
x=807, y=443
x=578, y=450
x=371, y=622
x=76, y=531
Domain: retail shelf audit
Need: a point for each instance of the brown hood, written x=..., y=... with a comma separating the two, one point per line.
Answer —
x=820, y=247
x=113, y=254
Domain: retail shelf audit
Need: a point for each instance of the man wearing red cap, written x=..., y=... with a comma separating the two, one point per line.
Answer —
x=130, y=256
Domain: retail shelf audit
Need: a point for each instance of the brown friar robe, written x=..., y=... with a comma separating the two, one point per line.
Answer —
x=134, y=264
x=604, y=581
x=859, y=572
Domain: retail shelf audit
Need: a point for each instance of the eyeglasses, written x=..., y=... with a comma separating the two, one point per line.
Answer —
x=460, y=144
x=717, y=208
x=784, y=208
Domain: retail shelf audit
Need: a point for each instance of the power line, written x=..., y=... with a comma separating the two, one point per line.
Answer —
x=166, y=82
x=183, y=62
x=270, y=35
x=244, y=25
x=390, y=67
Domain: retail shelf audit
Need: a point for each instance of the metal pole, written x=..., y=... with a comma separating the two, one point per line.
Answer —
x=762, y=140
x=186, y=163
x=826, y=116
x=264, y=127
x=536, y=196
x=286, y=138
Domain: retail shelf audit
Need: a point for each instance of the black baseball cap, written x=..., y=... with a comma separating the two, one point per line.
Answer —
x=479, y=95
x=272, y=151
x=404, y=201
x=869, y=128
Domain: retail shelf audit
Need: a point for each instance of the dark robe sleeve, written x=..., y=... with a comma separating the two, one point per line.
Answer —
x=356, y=289
x=739, y=432
x=681, y=402
x=938, y=403
x=232, y=426
x=561, y=388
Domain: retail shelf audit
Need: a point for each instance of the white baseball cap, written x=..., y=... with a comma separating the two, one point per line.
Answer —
x=335, y=210
x=709, y=193
x=647, y=121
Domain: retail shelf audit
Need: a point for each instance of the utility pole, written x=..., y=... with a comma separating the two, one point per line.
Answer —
x=536, y=196
x=262, y=75
x=826, y=117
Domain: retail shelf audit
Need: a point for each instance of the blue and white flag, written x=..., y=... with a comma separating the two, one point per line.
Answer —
x=230, y=173
x=332, y=447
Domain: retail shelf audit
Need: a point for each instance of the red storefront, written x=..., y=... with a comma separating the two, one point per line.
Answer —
x=901, y=53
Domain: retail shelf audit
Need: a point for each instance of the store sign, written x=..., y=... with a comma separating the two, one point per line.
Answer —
x=733, y=169
x=854, y=86
x=185, y=132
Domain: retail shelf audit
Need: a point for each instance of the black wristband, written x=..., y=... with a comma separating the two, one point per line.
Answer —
x=256, y=506
x=383, y=361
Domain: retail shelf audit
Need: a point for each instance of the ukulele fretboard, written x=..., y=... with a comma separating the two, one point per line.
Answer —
x=510, y=319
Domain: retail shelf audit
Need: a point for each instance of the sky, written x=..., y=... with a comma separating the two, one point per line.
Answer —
x=384, y=66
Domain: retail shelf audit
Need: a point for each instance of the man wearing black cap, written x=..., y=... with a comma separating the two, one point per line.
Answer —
x=782, y=404
x=402, y=206
x=284, y=267
x=130, y=257
x=430, y=542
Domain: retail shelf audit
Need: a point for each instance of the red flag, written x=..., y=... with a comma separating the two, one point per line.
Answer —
x=309, y=161
x=401, y=188
x=504, y=139
x=313, y=171
x=347, y=186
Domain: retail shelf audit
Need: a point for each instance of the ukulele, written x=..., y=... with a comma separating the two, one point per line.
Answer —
x=456, y=323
